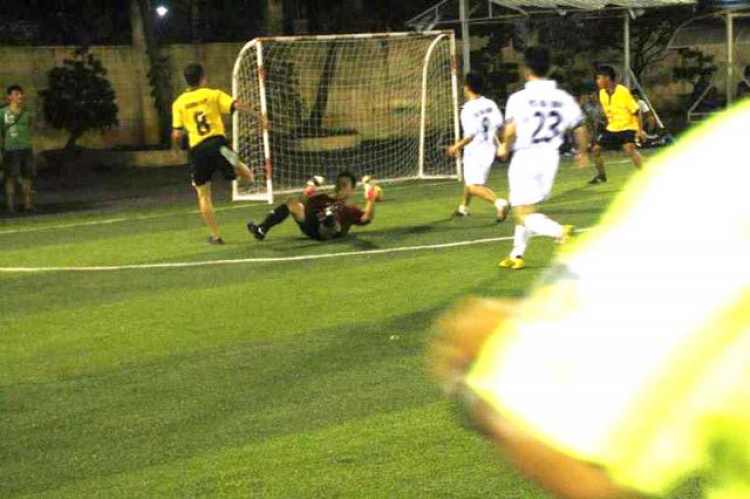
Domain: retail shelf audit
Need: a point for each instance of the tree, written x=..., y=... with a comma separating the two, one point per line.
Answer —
x=602, y=38
x=145, y=39
x=650, y=36
x=79, y=97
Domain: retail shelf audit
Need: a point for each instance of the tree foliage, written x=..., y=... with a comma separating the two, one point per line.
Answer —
x=79, y=97
x=601, y=39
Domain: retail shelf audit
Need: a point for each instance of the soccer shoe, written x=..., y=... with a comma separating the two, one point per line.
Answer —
x=216, y=241
x=599, y=179
x=458, y=214
x=257, y=232
x=512, y=263
x=566, y=235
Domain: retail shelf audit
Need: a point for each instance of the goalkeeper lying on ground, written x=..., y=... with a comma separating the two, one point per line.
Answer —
x=320, y=216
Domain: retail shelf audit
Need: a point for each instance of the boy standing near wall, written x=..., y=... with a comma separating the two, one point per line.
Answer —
x=16, y=124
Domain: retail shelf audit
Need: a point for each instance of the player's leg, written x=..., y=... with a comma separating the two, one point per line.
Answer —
x=531, y=177
x=475, y=185
x=28, y=173
x=10, y=193
x=633, y=154
x=473, y=175
x=27, y=189
x=484, y=192
x=276, y=216
x=12, y=176
x=241, y=170
x=521, y=236
x=542, y=181
x=203, y=164
x=601, y=172
x=205, y=203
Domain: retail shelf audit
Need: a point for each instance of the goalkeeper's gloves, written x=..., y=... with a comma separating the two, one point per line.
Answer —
x=316, y=180
x=312, y=183
x=370, y=193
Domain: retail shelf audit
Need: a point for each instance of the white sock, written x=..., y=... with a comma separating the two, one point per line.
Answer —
x=520, y=241
x=463, y=209
x=500, y=204
x=543, y=226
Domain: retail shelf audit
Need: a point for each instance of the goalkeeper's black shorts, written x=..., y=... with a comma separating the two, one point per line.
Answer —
x=311, y=225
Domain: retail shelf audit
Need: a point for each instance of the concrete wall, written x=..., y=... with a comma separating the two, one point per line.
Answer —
x=127, y=71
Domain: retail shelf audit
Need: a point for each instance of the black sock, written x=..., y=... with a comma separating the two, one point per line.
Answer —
x=275, y=217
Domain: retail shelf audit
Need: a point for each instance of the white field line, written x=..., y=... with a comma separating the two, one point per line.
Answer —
x=173, y=265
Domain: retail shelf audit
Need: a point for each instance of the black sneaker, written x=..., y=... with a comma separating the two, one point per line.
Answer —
x=256, y=231
x=599, y=179
x=216, y=241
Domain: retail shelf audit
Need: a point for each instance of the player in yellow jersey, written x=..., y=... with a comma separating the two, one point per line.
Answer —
x=614, y=380
x=198, y=112
x=623, y=121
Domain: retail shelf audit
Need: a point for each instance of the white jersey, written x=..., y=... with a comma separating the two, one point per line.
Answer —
x=481, y=119
x=542, y=114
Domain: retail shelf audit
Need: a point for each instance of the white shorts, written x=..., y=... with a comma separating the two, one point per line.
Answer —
x=476, y=172
x=531, y=175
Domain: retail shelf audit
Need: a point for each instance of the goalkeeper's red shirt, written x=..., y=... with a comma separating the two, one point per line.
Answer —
x=346, y=214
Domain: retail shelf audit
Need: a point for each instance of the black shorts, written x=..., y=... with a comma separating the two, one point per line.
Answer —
x=19, y=163
x=615, y=140
x=206, y=159
x=311, y=225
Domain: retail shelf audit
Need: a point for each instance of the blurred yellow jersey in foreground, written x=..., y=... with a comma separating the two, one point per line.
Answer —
x=634, y=352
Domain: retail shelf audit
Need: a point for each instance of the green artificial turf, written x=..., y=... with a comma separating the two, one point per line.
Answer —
x=279, y=379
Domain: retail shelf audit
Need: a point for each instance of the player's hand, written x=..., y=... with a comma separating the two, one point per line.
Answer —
x=370, y=192
x=452, y=151
x=463, y=332
x=641, y=135
x=582, y=160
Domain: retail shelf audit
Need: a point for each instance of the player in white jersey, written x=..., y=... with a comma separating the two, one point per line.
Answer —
x=537, y=118
x=482, y=122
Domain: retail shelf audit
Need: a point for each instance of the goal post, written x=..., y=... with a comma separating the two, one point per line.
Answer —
x=379, y=104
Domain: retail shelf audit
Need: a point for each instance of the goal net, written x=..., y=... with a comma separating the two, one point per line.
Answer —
x=379, y=104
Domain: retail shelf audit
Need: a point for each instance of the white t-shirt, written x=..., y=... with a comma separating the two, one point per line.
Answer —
x=542, y=114
x=481, y=119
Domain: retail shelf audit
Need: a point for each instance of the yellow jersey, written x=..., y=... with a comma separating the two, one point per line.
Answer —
x=643, y=370
x=198, y=111
x=620, y=109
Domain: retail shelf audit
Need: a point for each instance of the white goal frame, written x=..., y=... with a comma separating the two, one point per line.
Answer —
x=268, y=160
